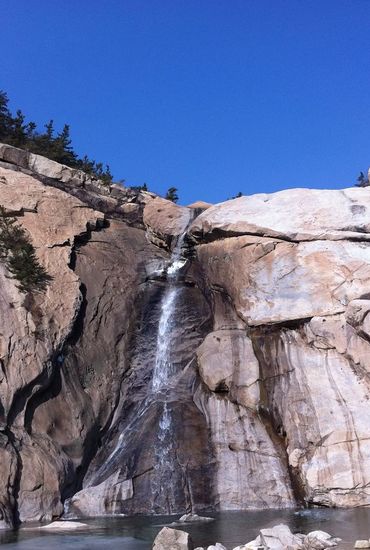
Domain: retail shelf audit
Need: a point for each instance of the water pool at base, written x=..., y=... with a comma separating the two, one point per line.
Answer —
x=229, y=528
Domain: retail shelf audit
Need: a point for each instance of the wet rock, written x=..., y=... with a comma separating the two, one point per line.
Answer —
x=172, y=538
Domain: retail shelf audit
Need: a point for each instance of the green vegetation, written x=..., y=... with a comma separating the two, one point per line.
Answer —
x=139, y=188
x=16, y=131
x=362, y=180
x=237, y=196
x=172, y=195
x=19, y=256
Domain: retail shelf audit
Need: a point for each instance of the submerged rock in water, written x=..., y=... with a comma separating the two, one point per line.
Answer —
x=191, y=518
x=173, y=539
x=64, y=526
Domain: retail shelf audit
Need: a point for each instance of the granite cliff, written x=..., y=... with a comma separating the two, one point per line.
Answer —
x=268, y=396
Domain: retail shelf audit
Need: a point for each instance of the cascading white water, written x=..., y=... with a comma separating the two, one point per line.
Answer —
x=161, y=372
x=162, y=367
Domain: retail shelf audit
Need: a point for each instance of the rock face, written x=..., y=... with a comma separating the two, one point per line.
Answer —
x=164, y=221
x=299, y=283
x=63, y=353
x=268, y=355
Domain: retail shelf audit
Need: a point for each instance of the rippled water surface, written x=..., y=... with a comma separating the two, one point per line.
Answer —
x=229, y=528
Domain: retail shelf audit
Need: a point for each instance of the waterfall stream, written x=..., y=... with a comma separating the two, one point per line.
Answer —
x=160, y=396
x=162, y=367
x=162, y=372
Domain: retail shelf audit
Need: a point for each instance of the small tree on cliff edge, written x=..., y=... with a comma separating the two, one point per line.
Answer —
x=172, y=195
x=19, y=255
x=362, y=180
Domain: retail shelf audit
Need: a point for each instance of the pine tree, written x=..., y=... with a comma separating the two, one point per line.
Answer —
x=19, y=255
x=49, y=127
x=18, y=132
x=5, y=117
x=172, y=195
x=362, y=180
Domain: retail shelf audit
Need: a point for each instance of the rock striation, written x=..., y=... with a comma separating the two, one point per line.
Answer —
x=299, y=285
x=269, y=343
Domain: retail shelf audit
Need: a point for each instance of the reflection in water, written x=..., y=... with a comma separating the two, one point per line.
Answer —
x=229, y=528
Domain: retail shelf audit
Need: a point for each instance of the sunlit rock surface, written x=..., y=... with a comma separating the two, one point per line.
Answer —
x=267, y=403
x=300, y=284
x=164, y=221
x=292, y=214
x=172, y=538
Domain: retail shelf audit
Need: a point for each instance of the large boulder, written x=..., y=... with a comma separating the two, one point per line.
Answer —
x=104, y=498
x=319, y=540
x=165, y=221
x=173, y=539
x=292, y=214
x=280, y=537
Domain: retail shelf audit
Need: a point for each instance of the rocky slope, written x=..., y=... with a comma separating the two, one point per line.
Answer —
x=270, y=342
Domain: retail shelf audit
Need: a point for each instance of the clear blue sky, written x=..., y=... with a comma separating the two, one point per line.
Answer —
x=210, y=96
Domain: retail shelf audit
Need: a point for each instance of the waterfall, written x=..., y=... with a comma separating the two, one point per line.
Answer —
x=159, y=390
x=162, y=367
x=165, y=451
x=154, y=457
